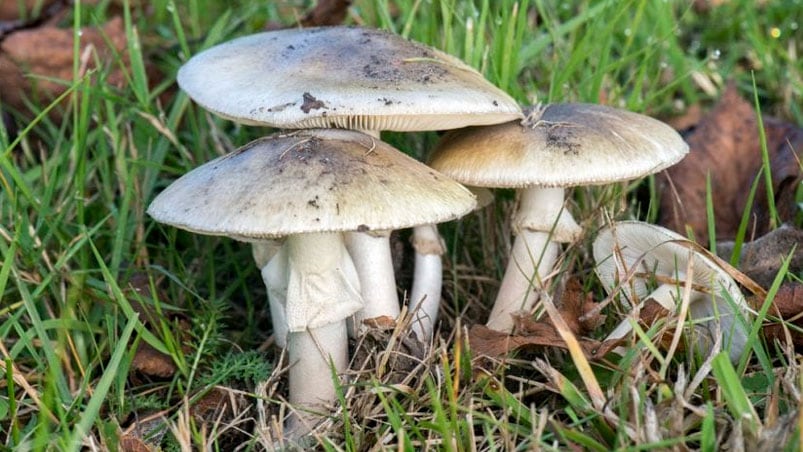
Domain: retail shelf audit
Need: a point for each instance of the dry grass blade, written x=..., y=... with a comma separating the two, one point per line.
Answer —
x=576, y=352
x=684, y=311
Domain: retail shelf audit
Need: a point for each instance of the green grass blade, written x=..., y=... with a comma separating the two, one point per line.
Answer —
x=735, y=396
x=101, y=390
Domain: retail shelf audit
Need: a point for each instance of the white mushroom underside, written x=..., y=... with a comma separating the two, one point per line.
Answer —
x=646, y=252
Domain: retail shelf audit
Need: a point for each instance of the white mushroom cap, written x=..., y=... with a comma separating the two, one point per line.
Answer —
x=657, y=251
x=560, y=145
x=345, y=77
x=310, y=181
x=660, y=254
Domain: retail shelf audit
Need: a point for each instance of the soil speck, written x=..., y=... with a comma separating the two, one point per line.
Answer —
x=311, y=103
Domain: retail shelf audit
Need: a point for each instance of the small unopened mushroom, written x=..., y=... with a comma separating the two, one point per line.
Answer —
x=309, y=187
x=656, y=261
x=555, y=147
x=345, y=77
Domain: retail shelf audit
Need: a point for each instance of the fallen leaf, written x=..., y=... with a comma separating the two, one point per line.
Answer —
x=130, y=443
x=147, y=360
x=34, y=63
x=326, y=12
x=152, y=362
x=579, y=311
x=688, y=120
x=651, y=312
x=702, y=6
x=492, y=343
x=787, y=305
x=383, y=322
x=214, y=403
x=726, y=145
x=761, y=259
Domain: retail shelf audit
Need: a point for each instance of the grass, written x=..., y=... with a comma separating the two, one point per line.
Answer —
x=74, y=238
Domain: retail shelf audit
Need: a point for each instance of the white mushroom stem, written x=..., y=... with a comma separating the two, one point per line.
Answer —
x=541, y=222
x=312, y=355
x=425, y=295
x=263, y=250
x=320, y=296
x=372, y=259
x=370, y=252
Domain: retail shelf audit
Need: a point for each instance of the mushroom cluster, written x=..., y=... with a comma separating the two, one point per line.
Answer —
x=309, y=187
x=346, y=77
x=318, y=203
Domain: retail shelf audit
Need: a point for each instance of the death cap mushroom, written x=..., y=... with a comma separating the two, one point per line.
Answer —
x=717, y=306
x=344, y=77
x=310, y=186
x=555, y=147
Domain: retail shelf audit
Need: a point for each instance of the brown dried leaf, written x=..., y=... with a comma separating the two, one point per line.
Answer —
x=212, y=404
x=702, y=6
x=788, y=305
x=651, y=312
x=326, y=12
x=131, y=443
x=578, y=310
x=147, y=360
x=688, y=120
x=152, y=362
x=31, y=60
x=382, y=322
x=492, y=343
x=761, y=259
x=726, y=144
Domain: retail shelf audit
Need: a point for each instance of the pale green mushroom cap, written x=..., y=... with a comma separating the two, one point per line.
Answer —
x=344, y=77
x=310, y=181
x=560, y=145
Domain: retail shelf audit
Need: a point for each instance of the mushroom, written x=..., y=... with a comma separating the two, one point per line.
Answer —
x=555, y=147
x=309, y=187
x=345, y=77
x=649, y=253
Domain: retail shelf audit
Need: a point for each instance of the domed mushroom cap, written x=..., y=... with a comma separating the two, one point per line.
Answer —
x=346, y=77
x=310, y=181
x=560, y=145
x=657, y=252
